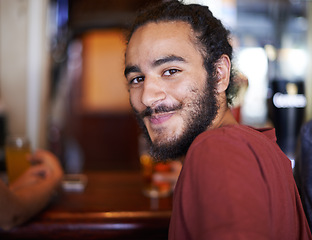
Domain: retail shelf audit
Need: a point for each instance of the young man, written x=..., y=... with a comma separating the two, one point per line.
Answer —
x=235, y=182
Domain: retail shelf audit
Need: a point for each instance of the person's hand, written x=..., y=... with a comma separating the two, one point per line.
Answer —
x=45, y=167
x=48, y=165
x=32, y=191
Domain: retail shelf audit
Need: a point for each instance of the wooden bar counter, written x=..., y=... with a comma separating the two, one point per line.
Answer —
x=112, y=206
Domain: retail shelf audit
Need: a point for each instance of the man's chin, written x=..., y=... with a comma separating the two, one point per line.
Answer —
x=166, y=151
x=161, y=141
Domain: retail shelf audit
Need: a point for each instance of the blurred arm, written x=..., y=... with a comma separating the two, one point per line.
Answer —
x=31, y=192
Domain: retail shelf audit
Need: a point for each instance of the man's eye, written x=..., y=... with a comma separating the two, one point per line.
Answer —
x=170, y=72
x=137, y=80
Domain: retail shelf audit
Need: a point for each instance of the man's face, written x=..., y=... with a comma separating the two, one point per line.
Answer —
x=168, y=87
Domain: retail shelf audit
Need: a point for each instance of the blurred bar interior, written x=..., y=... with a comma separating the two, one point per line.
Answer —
x=62, y=84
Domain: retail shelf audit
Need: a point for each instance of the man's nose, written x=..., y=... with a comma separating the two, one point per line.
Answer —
x=153, y=91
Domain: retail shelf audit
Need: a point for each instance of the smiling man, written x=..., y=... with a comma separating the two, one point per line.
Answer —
x=169, y=88
x=235, y=182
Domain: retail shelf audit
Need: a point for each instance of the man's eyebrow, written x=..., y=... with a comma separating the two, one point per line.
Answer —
x=171, y=58
x=158, y=62
x=130, y=69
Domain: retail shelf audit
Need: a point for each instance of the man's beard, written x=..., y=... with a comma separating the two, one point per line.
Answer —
x=203, y=110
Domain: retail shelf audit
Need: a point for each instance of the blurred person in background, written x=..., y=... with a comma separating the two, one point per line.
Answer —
x=31, y=192
x=235, y=182
x=303, y=168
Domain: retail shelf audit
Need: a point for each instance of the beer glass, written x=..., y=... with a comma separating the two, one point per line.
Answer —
x=17, y=149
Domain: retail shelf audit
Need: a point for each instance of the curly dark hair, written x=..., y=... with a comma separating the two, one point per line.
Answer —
x=211, y=35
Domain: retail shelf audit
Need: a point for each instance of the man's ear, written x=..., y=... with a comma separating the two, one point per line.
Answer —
x=223, y=72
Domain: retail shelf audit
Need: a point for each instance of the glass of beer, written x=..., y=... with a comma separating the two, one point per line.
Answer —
x=154, y=187
x=17, y=148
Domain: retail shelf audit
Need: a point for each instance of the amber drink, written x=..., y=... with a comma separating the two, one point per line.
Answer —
x=153, y=187
x=16, y=151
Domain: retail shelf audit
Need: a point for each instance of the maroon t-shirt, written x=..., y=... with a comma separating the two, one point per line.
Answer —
x=236, y=183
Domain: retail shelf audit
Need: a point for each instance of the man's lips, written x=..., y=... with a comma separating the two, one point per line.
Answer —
x=160, y=118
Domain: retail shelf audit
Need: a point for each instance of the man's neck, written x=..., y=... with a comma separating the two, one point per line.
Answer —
x=224, y=118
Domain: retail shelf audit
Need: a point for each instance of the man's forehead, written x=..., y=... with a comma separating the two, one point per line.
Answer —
x=160, y=34
x=164, y=29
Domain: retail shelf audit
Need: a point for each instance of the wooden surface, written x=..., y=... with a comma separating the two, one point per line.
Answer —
x=112, y=206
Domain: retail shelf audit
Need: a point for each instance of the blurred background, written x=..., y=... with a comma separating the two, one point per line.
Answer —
x=62, y=83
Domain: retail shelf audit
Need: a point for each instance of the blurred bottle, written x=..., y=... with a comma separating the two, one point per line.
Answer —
x=287, y=107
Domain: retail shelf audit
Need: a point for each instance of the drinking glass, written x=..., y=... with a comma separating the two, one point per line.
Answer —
x=17, y=148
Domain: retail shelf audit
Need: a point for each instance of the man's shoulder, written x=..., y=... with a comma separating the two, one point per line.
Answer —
x=236, y=145
x=237, y=132
x=235, y=148
x=235, y=140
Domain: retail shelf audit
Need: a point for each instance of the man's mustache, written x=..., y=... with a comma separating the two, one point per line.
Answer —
x=159, y=109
